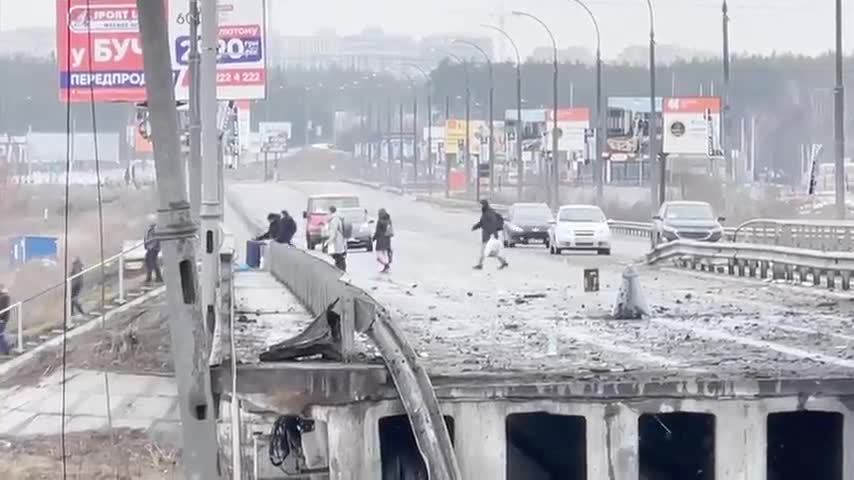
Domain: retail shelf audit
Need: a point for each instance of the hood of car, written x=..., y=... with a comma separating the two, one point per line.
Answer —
x=580, y=226
x=689, y=224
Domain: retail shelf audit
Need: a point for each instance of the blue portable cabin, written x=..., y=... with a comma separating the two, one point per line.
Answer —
x=25, y=248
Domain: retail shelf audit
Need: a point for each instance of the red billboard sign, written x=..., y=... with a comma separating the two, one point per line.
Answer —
x=99, y=51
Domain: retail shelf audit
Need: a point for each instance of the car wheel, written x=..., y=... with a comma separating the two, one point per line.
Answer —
x=551, y=250
x=604, y=251
x=558, y=251
x=370, y=247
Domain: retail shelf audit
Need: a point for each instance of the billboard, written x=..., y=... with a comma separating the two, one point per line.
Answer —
x=628, y=127
x=274, y=136
x=241, y=66
x=99, y=52
x=573, y=124
x=692, y=126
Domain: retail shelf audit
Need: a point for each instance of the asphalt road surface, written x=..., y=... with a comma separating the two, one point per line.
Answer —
x=534, y=317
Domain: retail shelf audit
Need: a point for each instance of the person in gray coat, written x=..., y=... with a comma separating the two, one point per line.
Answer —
x=336, y=241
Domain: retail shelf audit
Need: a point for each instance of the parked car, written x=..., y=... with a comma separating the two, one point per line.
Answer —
x=527, y=223
x=358, y=228
x=580, y=227
x=686, y=220
x=317, y=212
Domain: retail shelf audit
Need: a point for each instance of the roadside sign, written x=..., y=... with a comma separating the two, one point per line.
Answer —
x=692, y=126
x=483, y=170
x=99, y=52
x=241, y=66
x=274, y=136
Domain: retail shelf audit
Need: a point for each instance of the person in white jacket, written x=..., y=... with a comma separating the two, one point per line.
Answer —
x=336, y=242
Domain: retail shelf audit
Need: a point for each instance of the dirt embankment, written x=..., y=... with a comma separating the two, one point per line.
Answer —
x=40, y=210
x=126, y=454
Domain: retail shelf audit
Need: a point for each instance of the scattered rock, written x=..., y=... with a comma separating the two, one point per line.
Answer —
x=434, y=319
x=688, y=296
x=469, y=294
x=511, y=326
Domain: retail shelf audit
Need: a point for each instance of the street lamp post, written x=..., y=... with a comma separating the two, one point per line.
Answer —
x=839, y=120
x=414, y=133
x=556, y=202
x=725, y=95
x=491, y=144
x=599, y=170
x=429, y=86
x=519, y=164
x=468, y=123
x=653, y=127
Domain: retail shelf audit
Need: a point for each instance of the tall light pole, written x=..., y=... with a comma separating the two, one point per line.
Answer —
x=556, y=202
x=519, y=164
x=414, y=131
x=839, y=120
x=725, y=95
x=599, y=171
x=653, y=128
x=491, y=145
x=429, y=87
x=468, y=121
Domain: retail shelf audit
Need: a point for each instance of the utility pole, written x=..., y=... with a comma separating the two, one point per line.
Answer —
x=211, y=212
x=177, y=231
x=446, y=160
x=195, y=127
x=415, y=138
x=839, y=120
x=725, y=95
x=389, y=145
x=653, y=128
x=400, y=145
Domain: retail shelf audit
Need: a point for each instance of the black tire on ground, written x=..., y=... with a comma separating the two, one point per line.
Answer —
x=558, y=251
x=308, y=243
x=370, y=247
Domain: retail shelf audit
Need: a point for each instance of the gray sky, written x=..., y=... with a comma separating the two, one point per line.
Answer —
x=757, y=26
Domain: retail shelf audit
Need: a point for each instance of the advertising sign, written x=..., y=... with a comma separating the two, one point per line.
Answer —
x=455, y=133
x=573, y=123
x=692, y=125
x=241, y=66
x=628, y=127
x=529, y=115
x=274, y=136
x=99, y=52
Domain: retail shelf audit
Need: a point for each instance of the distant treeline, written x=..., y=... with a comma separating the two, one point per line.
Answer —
x=791, y=97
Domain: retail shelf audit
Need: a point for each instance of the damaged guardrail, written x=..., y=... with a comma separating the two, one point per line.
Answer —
x=342, y=309
x=760, y=261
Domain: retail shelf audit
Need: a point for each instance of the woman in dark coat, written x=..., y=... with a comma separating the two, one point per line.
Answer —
x=382, y=239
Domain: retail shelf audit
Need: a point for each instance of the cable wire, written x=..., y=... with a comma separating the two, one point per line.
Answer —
x=69, y=132
x=102, y=255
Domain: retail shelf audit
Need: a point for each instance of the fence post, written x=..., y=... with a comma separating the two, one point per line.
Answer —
x=122, y=277
x=20, y=317
x=68, y=299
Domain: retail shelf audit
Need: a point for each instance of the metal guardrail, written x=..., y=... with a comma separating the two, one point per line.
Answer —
x=320, y=287
x=822, y=235
x=18, y=307
x=760, y=261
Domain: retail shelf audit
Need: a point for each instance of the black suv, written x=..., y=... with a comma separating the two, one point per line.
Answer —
x=527, y=223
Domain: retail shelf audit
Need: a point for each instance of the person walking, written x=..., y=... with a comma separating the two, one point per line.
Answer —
x=152, y=253
x=76, y=286
x=490, y=223
x=287, y=228
x=336, y=242
x=5, y=302
x=382, y=239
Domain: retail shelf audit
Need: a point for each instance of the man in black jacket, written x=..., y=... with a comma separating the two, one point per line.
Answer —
x=287, y=228
x=5, y=302
x=490, y=223
x=272, y=230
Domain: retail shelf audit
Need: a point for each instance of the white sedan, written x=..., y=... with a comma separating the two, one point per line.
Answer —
x=580, y=227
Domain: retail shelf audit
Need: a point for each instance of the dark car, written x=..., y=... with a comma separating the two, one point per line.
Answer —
x=358, y=229
x=688, y=221
x=527, y=223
